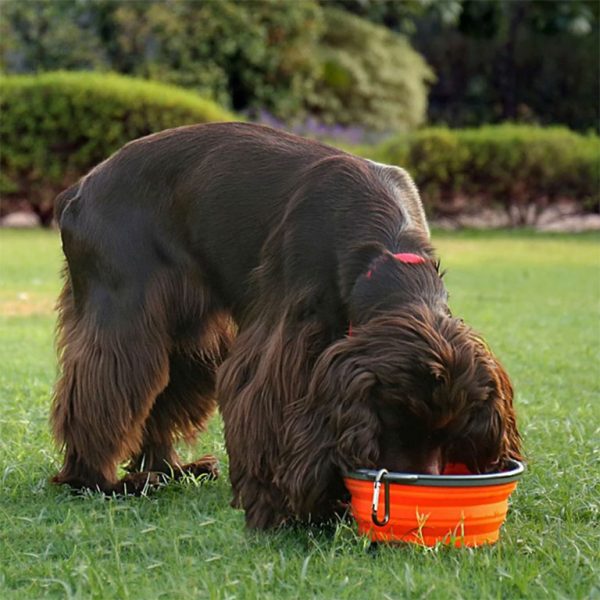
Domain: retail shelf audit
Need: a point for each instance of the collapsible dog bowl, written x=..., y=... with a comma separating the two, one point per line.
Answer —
x=453, y=508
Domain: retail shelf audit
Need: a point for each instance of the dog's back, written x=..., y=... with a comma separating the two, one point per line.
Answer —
x=194, y=194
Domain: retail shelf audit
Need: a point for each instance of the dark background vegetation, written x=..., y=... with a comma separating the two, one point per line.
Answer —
x=529, y=60
x=533, y=61
x=394, y=80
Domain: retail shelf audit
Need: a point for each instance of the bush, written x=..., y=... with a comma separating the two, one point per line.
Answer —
x=56, y=126
x=284, y=57
x=370, y=76
x=244, y=55
x=521, y=168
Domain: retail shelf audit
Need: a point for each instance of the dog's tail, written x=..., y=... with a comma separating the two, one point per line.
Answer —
x=63, y=200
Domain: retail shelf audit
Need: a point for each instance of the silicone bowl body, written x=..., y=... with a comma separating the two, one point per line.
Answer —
x=459, y=509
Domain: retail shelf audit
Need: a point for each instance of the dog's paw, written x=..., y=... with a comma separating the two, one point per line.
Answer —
x=207, y=466
x=139, y=484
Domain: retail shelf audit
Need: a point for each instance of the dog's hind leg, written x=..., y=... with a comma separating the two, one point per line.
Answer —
x=186, y=404
x=110, y=378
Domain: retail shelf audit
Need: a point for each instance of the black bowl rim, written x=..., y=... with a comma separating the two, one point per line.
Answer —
x=514, y=472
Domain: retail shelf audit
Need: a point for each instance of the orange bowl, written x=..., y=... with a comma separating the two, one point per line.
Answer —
x=455, y=508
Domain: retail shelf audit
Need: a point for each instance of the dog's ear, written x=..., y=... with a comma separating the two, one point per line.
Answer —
x=511, y=439
x=491, y=433
x=345, y=385
x=331, y=430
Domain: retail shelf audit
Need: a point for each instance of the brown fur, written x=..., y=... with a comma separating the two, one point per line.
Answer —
x=225, y=264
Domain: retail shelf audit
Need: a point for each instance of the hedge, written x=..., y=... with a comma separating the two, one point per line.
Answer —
x=520, y=168
x=370, y=76
x=56, y=126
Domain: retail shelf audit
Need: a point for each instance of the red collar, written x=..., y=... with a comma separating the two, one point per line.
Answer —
x=408, y=257
x=403, y=257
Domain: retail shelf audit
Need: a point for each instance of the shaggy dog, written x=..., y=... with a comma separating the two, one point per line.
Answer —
x=290, y=284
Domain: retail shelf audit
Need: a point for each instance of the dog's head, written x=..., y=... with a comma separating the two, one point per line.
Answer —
x=410, y=390
x=423, y=390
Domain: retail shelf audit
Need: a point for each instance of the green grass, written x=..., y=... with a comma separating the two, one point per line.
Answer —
x=535, y=298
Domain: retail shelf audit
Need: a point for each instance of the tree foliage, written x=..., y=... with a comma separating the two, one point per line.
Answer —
x=287, y=58
x=523, y=61
x=527, y=60
x=241, y=54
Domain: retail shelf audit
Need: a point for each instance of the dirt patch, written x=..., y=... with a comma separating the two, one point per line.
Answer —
x=572, y=224
x=566, y=217
x=25, y=306
x=20, y=220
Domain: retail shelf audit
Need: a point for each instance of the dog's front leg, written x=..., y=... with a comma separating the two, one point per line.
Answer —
x=265, y=375
x=263, y=504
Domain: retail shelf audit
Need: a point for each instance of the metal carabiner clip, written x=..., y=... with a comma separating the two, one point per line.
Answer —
x=375, y=503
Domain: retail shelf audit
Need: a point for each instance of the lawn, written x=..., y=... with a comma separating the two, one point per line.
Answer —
x=537, y=301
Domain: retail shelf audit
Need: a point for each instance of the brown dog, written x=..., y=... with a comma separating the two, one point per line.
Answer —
x=289, y=282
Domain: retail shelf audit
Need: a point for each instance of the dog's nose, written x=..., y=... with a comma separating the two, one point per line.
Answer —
x=427, y=461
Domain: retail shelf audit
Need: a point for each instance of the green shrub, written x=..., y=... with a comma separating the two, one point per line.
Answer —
x=288, y=58
x=370, y=76
x=56, y=126
x=521, y=168
x=243, y=55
